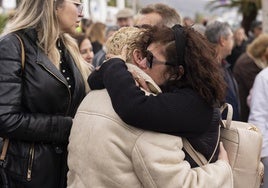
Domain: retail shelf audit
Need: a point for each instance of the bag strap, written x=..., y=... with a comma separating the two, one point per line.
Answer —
x=197, y=156
x=6, y=140
x=22, y=51
x=4, y=149
x=227, y=123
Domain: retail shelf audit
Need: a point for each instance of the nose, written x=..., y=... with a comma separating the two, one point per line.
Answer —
x=81, y=14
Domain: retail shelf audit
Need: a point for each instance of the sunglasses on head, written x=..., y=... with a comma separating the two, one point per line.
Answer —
x=150, y=60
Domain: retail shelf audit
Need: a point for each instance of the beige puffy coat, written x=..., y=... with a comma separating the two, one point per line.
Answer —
x=106, y=152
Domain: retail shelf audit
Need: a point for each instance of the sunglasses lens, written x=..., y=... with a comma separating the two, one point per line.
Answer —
x=149, y=57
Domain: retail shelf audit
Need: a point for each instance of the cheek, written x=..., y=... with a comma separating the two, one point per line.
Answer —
x=161, y=75
x=68, y=17
x=84, y=55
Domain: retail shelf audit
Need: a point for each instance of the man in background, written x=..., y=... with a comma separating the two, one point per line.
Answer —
x=125, y=17
x=221, y=35
x=158, y=14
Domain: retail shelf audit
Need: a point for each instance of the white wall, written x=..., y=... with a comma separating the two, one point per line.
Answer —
x=265, y=15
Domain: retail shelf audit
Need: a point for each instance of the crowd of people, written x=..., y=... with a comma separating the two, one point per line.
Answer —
x=110, y=106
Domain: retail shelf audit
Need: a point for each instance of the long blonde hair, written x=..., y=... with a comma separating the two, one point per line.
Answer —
x=41, y=15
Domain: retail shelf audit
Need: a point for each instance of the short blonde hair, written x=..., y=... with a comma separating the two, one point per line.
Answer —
x=258, y=47
x=126, y=36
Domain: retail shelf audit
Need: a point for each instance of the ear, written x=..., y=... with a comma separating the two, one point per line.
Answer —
x=222, y=41
x=139, y=60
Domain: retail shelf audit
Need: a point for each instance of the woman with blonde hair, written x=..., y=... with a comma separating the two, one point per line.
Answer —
x=96, y=34
x=39, y=100
x=247, y=66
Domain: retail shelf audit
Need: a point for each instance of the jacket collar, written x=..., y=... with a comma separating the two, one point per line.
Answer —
x=30, y=34
x=154, y=88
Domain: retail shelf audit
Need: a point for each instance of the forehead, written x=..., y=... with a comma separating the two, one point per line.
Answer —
x=158, y=50
x=149, y=19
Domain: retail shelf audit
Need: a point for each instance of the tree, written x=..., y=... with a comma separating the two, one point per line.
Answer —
x=248, y=8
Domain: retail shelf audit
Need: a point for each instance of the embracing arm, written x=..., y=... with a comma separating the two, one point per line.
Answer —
x=15, y=122
x=183, y=113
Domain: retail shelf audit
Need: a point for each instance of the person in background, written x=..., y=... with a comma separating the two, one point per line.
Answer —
x=199, y=28
x=158, y=14
x=187, y=21
x=38, y=101
x=125, y=17
x=248, y=65
x=85, y=48
x=96, y=34
x=255, y=30
x=220, y=34
x=129, y=156
x=259, y=115
x=85, y=24
x=100, y=56
x=240, y=43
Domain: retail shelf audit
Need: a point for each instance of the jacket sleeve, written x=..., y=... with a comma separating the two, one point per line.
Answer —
x=158, y=161
x=174, y=113
x=15, y=122
x=258, y=107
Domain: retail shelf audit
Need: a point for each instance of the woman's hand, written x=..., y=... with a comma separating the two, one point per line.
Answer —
x=223, y=154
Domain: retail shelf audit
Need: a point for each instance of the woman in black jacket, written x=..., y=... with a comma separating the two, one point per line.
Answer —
x=38, y=102
x=181, y=61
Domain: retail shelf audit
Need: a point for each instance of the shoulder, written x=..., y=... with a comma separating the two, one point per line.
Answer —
x=264, y=73
x=9, y=39
x=262, y=76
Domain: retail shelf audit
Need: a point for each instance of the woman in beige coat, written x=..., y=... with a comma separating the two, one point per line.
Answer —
x=106, y=152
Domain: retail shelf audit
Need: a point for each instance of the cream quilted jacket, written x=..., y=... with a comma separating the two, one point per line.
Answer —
x=105, y=152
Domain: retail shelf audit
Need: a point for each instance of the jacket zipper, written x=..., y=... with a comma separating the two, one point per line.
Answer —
x=30, y=163
x=69, y=104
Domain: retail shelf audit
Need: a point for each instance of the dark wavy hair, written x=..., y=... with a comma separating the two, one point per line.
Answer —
x=201, y=71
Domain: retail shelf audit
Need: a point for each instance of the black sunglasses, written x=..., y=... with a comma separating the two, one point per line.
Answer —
x=150, y=60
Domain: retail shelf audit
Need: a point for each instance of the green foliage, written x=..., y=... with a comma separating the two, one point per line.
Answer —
x=248, y=9
x=244, y=6
x=3, y=21
x=112, y=3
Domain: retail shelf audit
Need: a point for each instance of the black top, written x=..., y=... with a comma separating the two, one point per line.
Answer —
x=236, y=52
x=182, y=112
x=65, y=66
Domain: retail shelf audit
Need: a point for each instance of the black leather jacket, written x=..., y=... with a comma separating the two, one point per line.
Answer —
x=36, y=110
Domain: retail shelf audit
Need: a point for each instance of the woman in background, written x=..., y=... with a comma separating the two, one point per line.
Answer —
x=247, y=66
x=96, y=34
x=38, y=102
x=85, y=48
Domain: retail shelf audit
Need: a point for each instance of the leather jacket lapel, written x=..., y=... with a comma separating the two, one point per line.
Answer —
x=49, y=66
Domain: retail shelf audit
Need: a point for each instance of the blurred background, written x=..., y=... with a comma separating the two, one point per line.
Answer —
x=235, y=12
